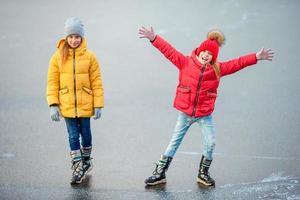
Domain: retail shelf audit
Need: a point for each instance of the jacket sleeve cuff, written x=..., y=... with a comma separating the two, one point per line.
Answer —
x=154, y=39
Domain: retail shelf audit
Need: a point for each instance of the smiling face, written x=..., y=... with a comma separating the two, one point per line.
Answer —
x=74, y=41
x=205, y=57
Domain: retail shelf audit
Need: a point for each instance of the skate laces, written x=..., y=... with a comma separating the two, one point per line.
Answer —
x=158, y=169
x=77, y=168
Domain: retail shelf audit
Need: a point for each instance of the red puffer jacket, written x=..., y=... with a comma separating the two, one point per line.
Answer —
x=197, y=89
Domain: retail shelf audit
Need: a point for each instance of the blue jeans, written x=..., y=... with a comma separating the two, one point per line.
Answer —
x=79, y=127
x=183, y=124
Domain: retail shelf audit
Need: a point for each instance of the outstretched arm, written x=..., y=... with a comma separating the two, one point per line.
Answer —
x=235, y=65
x=176, y=57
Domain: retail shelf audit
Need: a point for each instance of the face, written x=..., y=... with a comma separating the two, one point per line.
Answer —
x=74, y=41
x=205, y=57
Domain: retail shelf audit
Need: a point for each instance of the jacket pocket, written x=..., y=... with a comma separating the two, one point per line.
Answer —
x=208, y=102
x=86, y=98
x=183, y=96
x=63, y=91
x=87, y=90
x=64, y=97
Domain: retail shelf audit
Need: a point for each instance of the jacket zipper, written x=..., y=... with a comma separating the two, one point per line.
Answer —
x=198, y=89
x=74, y=77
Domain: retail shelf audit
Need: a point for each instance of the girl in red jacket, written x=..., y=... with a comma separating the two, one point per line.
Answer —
x=199, y=77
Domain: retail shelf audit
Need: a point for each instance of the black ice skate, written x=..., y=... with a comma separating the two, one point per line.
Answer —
x=78, y=172
x=159, y=174
x=87, y=165
x=204, y=178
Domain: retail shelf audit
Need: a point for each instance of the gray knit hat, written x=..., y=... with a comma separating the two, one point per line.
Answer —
x=73, y=25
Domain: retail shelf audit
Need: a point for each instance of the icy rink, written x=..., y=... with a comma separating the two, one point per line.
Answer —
x=257, y=154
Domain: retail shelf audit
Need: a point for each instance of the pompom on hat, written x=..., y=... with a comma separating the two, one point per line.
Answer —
x=215, y=39
x=73, y=25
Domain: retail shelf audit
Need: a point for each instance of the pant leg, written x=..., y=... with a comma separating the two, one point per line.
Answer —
x=182, y=125
x=208, y=136
x=85, y=131
x=73, y=133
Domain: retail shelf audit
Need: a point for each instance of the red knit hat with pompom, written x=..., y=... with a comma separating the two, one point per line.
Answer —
x=215, y=39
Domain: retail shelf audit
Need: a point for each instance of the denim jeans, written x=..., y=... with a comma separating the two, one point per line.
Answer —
x=183, y=124
x=79, y=127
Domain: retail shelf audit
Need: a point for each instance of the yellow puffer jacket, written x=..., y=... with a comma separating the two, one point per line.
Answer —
x=76, y=86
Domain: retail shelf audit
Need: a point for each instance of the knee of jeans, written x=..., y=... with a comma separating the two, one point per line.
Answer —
x=211, y=143
x=208, y=151
x=73, y=137
x=86, y=131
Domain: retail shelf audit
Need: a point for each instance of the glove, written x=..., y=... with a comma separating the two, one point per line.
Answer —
x=97, y=113
x=55, y=113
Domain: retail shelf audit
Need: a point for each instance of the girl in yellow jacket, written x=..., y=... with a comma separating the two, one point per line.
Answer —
x=75, y=92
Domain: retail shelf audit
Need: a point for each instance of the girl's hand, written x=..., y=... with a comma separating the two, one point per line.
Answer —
x=55, y=113
x=145, y=33
x=98, y=113
x=265, y=54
